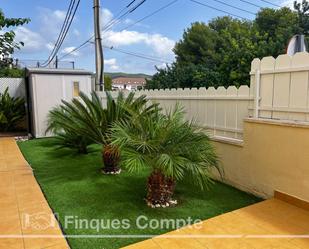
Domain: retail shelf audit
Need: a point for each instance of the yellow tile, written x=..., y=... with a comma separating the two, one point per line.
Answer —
x=40, y=243
x=62, y=245
x=10, y=225
x=207, y=228
x=29, y=208
x=32, y=198
x=6, y=179
x=176, y=243
x=20, y=197
x=11, y=243
x=9, y=210
x=301, y=243
x=147, y=244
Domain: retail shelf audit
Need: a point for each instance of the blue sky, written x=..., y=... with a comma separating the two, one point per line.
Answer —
x=155, y=36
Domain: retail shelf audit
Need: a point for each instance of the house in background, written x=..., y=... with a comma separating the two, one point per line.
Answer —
x=128, y=83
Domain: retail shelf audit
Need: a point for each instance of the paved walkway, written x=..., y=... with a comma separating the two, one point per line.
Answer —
x=268, y=218
x=25, y=216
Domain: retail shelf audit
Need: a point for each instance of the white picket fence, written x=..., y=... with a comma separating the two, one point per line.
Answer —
x=221, y=111
x=281, y=87
x=16, y=86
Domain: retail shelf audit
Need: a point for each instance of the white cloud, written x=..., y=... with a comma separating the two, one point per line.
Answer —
x=33, y=41
x=106, y=17
x=129, y=21
x=69, y=50
x=161, y=66
x=76, y=32
x=160, y=44
x=288, y=3
x=59, y=14
x=111, y=64
x=49, y=46
x=51, y=22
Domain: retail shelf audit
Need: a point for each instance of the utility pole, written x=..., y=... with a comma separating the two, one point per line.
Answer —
x=99, y=60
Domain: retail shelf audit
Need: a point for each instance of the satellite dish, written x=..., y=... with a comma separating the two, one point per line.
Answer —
x=296, y=44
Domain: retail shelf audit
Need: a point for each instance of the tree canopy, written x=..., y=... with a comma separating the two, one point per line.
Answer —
x=220, y=52
x=107, y=83
x=7, y=36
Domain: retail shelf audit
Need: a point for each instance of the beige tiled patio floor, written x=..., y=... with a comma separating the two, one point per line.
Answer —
x=24, y=211
x=268, y=218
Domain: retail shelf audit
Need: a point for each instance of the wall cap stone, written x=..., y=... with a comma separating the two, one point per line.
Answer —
x=289, y=123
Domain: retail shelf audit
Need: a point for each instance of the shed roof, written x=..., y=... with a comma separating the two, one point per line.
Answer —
x=34, y=70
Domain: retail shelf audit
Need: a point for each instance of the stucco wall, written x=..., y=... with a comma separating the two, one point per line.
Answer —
x=274, y=156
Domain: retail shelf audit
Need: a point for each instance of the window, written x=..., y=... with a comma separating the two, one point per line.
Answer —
x=75, y=89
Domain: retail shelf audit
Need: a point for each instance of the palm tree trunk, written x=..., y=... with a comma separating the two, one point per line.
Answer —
x=111, y=158
x=160, y=190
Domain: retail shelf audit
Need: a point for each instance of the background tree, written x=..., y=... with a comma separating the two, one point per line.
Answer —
x=7, y=43
x=303, y=16
x=107, y=83
x=12, y=72
x=220, y=53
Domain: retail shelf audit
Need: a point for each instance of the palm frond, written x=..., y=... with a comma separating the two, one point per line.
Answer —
x=167, y=143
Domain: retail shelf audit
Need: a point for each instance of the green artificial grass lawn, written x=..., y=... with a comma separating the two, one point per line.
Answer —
x=74, y=186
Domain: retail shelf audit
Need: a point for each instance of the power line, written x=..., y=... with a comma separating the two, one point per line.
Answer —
x=273, y=4
x=214, y=8
x=69, y=11
x=151, y=14
x=235, y=7
x=253, y=4
x=142, y=56
x=130, y=3
x=118, y=18
x=67, y=24
x=138, y=5
x=130, y=25
x=77, y=48
x=66, y=32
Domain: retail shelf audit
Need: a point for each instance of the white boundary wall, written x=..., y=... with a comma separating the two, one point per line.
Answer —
x=16, y=86
x=221, y=111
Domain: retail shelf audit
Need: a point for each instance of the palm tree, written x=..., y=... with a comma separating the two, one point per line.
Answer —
x=171, y=147
x=59, y=123
x=89, y=119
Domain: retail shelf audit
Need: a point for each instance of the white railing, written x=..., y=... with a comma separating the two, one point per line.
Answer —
x=221, y=111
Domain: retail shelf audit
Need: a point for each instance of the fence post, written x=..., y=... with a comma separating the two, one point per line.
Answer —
x=257, y=93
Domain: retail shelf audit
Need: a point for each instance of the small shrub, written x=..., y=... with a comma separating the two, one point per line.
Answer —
x=12, y=111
